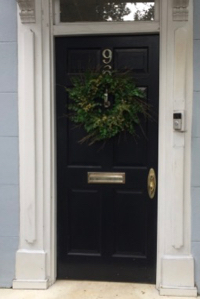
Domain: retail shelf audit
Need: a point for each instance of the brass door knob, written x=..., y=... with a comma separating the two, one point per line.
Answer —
x=151, y=183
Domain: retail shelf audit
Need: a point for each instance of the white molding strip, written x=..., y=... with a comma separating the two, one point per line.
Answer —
x=105, y=28
x=178, y=292
x=30, y=284
x=180, y=10
x=27, y=11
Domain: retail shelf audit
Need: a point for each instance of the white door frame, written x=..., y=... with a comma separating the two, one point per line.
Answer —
x=36, y=256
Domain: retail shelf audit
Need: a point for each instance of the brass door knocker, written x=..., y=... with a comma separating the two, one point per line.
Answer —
x=106, y=102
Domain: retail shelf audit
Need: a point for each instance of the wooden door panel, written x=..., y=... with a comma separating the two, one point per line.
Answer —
x=130, y=224
x=84, y=214
x=138, y=148
x=84, y=154
x=135, y=60
x=81, y=60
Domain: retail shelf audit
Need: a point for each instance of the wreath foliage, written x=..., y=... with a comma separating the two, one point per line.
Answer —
x=103, y=120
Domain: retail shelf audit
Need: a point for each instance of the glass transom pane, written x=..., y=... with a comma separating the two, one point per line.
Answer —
x=104, y=11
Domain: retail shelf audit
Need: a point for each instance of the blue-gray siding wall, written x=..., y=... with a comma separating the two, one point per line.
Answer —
x=196, y=147
x=9, y=161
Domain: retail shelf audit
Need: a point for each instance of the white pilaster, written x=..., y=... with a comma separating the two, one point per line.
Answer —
x=35, y=259
x=175, y=271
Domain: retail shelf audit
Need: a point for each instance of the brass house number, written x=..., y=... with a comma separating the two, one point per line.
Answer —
x=107, y=56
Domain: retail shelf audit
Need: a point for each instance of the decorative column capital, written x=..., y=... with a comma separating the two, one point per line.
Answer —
x=27, y=11
x=180, y=10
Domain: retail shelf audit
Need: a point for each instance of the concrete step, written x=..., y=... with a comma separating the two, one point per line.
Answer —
x=67, y=289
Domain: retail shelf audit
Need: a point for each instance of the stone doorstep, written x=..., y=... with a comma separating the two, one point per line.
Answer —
x=88, y=290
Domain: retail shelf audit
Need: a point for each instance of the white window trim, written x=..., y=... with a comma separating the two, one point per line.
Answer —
x=36, y=256
x=56, y=9
x=105, y=28
x=82, y=28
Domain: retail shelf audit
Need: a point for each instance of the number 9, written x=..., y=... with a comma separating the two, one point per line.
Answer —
x=107, y=54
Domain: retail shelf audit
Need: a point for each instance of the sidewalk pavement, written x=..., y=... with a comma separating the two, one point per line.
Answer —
x=64, y=289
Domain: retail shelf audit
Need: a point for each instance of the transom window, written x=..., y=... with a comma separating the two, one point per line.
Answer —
x=106, y=11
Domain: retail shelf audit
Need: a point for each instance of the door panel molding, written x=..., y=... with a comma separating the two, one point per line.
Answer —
x=169, y=258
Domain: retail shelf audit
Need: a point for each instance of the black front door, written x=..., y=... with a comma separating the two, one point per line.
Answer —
x=107, y=231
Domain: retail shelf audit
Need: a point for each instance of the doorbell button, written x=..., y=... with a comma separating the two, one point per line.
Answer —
x=179, y=121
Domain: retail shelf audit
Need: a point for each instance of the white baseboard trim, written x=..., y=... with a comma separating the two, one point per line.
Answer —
x=31, y=284
x=182, y=292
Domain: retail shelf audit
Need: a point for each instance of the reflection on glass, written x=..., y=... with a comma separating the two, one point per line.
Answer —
x=101, y=11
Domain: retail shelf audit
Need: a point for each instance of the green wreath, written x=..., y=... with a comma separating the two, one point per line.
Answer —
x=106, y=105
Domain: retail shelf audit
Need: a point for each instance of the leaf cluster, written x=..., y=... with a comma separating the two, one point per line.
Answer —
x=88, y=110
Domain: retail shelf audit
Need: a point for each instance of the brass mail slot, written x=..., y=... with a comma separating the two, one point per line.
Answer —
x=106, y=178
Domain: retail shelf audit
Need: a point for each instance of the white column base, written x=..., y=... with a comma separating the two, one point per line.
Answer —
x=30, y=284
x=178, y=276
x=179, y=292
x=30, y=270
